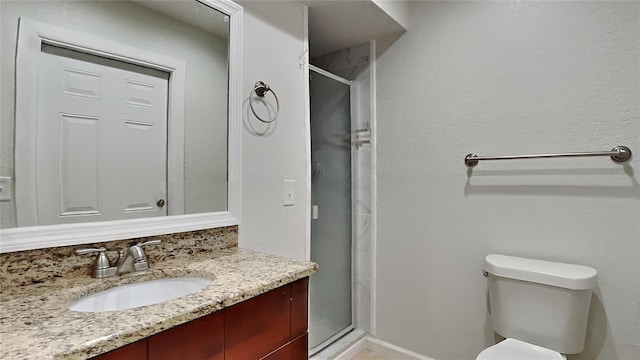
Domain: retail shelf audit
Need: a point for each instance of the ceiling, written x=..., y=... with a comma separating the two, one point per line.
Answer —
x=193, y=13
x=335, y=25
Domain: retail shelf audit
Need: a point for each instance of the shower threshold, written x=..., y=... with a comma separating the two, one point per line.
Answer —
x=336, y=344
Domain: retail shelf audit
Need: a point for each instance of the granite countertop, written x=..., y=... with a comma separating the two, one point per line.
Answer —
x=36, y=324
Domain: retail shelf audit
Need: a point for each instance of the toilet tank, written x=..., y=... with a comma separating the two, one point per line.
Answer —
x=541, y=302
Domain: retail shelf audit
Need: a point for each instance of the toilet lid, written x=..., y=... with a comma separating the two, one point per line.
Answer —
x=512, y=349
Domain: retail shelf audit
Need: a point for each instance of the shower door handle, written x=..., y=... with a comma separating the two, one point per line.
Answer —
x=314, y=212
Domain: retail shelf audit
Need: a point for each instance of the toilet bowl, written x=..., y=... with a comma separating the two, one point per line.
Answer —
x=512, y=349
x=537, y=302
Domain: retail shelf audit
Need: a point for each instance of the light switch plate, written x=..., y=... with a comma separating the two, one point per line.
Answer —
x=288, y=192
x=5, y=188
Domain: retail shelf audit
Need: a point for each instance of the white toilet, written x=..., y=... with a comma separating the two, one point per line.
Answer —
x=540, y=307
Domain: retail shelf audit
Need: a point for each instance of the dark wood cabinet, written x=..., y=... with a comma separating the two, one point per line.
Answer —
x=257, y=326
x=299, y=348
x=271, y=326
x=296, y=349
x=299, y=307
x=198, y=339
x=135, y=351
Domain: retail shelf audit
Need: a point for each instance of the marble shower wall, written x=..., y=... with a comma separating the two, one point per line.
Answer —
x=354, y=64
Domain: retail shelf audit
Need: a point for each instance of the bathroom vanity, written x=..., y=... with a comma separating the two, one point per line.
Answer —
x=255, y=307
x=270, y=326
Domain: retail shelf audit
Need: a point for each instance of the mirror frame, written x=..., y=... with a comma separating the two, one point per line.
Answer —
x=38, y=237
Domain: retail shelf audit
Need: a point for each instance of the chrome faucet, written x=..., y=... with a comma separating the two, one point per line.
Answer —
x=128, y=261
x=134, y=259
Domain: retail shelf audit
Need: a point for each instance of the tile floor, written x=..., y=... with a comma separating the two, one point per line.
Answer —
x=367, y=354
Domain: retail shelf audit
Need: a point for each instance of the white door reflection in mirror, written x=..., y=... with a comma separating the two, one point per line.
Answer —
x=102, y=134
x=198, y=43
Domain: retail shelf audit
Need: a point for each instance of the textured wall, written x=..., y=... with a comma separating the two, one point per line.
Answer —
x=273, y=36
x=506, y=78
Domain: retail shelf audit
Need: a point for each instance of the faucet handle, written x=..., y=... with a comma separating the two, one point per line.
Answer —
x=90, y=251
x=102, y=261
x=151, y=242
x=102, y=266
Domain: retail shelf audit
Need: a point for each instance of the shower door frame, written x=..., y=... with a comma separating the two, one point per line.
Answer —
x=351, y=327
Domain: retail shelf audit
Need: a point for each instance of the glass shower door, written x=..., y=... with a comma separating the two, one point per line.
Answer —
x=331, y=288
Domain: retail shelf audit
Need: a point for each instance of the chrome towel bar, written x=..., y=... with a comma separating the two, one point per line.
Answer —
x=617, y=154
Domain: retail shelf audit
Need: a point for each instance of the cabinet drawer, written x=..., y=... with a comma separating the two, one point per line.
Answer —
x=297, y=349
x=135, y=351
x=256, y=327
x=200, y=339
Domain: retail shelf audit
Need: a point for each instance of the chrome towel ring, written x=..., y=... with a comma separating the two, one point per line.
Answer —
x=261, y=89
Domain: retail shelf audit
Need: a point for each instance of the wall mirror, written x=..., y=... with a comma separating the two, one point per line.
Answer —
x=118, y=119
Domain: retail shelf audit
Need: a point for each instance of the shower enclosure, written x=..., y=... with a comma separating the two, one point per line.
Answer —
x=331, y=289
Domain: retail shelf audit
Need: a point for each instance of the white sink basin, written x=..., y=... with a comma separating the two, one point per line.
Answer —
x=139, y=294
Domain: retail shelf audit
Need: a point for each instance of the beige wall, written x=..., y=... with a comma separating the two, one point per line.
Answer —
x=506, y=78
x=273, y=42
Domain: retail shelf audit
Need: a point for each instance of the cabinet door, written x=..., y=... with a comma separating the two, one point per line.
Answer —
x=299, y=307
x=257, y=326
x=135, y=351
x=200, y=339
x=300, y=347
x=294, y=350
